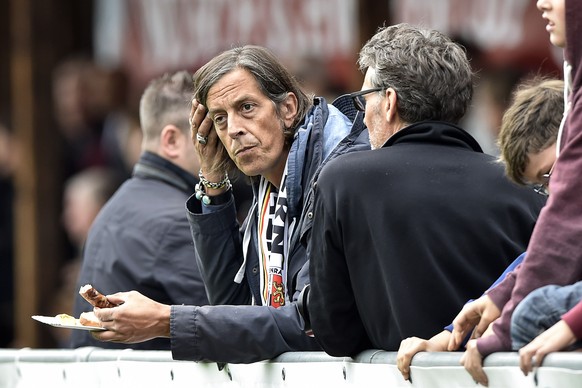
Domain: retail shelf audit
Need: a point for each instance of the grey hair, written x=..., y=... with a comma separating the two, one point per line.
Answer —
x=274, y=80
x=166, y=101
x=430, y=73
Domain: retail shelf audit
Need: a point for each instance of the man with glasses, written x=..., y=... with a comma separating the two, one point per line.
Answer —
x=405, y=234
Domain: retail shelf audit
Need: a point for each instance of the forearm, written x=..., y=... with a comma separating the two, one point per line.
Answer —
x=237, y=334
x=573, y=319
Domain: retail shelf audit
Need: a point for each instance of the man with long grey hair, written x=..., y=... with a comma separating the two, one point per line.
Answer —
x=248, y=112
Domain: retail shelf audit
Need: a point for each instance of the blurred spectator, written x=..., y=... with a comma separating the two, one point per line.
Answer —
x=493, y=87
x=94, y=117
x=71, y=106
x=85, y=194
x=315, y=78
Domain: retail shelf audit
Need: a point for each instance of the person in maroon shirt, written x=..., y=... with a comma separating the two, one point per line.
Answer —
x=555, y=245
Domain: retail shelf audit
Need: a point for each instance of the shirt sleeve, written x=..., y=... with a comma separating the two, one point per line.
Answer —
x=573, y=319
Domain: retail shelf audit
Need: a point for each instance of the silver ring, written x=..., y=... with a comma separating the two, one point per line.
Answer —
x=201, y=139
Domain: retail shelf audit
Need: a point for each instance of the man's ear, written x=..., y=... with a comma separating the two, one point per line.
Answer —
x=171, y=140
x=391, y=105
x=289, y=109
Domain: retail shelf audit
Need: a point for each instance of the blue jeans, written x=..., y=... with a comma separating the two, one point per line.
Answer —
x=540, y=310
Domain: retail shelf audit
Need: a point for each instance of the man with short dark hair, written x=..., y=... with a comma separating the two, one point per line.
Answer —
x=141, y=238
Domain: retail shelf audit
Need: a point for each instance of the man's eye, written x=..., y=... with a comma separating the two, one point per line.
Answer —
x=218, y=120
x=247, y=107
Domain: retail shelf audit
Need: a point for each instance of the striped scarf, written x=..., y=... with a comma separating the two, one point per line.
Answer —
x=273, y=236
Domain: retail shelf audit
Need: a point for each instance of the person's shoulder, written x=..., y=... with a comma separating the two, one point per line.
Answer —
x=146, y=199
x=344, y=165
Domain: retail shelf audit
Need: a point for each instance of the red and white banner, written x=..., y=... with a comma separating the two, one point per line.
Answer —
x=147, y=37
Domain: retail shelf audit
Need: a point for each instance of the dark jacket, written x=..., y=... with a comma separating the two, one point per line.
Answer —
x=239, y=332
x=141, y=241
x=404, y=235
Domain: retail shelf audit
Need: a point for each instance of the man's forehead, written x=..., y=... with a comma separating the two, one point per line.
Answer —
x=234, y=86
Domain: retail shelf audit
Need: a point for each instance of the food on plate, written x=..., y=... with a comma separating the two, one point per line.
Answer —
x=66, y=319
x=89, y=319
x=97, y=299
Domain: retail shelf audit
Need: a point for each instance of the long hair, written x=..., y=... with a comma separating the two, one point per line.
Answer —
x=274, y=80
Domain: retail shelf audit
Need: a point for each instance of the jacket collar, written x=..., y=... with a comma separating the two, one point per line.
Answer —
x=435, y=132
x=152, y=166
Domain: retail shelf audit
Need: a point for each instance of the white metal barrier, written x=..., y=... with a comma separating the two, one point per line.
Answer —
x=93, y=367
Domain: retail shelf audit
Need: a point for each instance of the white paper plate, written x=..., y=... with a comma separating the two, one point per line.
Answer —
x=53, y=321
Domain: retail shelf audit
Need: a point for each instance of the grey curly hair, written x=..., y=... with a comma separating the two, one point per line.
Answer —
x=430, y=73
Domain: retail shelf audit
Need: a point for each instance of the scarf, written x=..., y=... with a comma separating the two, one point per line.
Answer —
x=273, y=230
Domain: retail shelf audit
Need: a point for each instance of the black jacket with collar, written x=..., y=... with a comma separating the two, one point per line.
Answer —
x=404, y=235
x=141, y=241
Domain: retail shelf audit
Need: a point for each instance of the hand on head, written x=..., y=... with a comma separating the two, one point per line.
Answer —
x=206, y=142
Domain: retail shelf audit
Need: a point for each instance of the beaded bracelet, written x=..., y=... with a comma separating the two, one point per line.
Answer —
x=214, y=185
x=204, y=183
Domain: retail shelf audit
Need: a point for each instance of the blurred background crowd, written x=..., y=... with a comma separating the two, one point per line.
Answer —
x=71, y=73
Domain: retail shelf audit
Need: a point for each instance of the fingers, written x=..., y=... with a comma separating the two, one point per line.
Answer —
x=104, y=315
x=531, y=356
x=479, y=375
x=526, y=357
x=408, y=348
x=461, y=326
x=458, y=334
x=118, y=298
x=473, y=363
x=109, y=335
x=200, y=123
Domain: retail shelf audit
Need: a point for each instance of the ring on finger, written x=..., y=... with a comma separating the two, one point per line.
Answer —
x=201, y=139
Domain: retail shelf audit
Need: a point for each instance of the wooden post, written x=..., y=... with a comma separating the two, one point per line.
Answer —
x=26, y=231
x=38, y=237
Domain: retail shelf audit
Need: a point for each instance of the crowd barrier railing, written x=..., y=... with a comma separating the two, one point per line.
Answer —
x=94, y=367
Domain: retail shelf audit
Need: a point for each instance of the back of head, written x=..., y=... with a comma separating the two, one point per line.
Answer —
x=430, y=73
x=166, y=101
x=85, y=194
x=530, y=124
